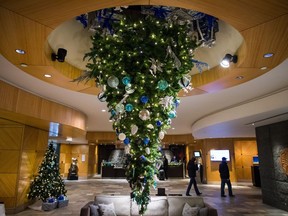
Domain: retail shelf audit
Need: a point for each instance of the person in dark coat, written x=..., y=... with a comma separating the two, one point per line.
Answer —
x=192, y=167
x=165, y=166
x=225, y=178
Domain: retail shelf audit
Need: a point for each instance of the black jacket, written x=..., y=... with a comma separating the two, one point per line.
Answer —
x=192, y=168
x=224, y=170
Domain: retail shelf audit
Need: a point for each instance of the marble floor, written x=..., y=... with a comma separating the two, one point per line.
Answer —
x=247, y=200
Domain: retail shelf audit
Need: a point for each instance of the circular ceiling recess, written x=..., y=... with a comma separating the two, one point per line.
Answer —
x=216, y=38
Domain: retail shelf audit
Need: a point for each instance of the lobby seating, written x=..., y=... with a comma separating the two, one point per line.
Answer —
x=159, y=206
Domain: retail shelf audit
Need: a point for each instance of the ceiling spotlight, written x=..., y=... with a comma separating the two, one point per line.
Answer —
x=61, y=54
x=20, y=51
x=268, y=55
x=227, y=59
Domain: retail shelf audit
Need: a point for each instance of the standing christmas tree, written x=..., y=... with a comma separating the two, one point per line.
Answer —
x=48, y=184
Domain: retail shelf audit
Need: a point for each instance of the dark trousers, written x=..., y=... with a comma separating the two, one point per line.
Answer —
x=192, y=181
x=166, y=172
x=223, y=182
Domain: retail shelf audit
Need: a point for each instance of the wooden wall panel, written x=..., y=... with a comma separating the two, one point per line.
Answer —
x=30, y=138
x=23, y=190
x=212, y=167
x=28, y=104
x=10, y=202
x=9, y=161
x=8, y=96
x=8, y=185
x=11, y=137
x=244, y=152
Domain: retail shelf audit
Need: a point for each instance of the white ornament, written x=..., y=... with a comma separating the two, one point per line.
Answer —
x=134, y=129
x=161, y=135
x=150, y=126
x=167, y=101
x=144, y=114
x=121, y=136
x=127, y=149
x=147, y=150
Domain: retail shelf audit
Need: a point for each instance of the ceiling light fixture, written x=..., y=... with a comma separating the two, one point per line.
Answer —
x=227, y=59
x=61, y=54
x=23, y=65
x=47, y=76
x=239, y=77
x=20, y=51
x=268, y=55
x=264, y=68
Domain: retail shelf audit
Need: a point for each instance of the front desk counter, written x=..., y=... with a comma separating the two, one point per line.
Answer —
x=174, y=171
x=112, y=172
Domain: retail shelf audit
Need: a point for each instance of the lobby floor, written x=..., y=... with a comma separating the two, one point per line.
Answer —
x=247, y=200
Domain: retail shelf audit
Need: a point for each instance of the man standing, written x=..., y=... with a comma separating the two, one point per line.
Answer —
x=225, y=178
x=192, y=167
x=165, y=166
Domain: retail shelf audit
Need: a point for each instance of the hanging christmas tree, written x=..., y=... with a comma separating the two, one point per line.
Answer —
x=141, y=58
x=48, y=183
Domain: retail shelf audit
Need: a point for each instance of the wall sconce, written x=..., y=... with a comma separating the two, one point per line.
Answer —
x=227, y=59
x=60, y=55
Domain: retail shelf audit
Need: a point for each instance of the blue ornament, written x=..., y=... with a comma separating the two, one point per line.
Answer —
x=61, y=197
x=143, y=158
x=129, y=107
x=176, y=102
x=172, y=114
x=162, y=85
x=126, y=141
x=146, y=140
x=144, y=99
x=126, y=80
x=158, y=123
x=51, y=200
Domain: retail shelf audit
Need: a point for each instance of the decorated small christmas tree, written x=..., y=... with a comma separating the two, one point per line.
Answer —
x=48, y=183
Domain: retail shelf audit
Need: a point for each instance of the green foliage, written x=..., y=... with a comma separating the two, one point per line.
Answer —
x=48, y=183
x=155, y=54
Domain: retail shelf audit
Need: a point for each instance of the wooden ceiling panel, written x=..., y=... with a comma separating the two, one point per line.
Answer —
x=269, y=37
x=50, y=13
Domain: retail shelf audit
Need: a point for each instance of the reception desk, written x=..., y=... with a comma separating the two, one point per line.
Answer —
x=112, y=172
x=176, y=171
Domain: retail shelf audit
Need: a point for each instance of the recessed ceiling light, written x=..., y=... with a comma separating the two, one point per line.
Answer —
x=173, y=128
x=19, y=51
x=103, y=110
x=23, y=65
x=264, y=68
x=268, y=55
x=110, y=120
x=239, y=77
x=47, y=75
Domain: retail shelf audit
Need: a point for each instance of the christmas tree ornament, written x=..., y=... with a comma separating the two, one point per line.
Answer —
x=166, y=101
x=134, y=129
x=146, y=141
x=184, y=81
x=172, y=114
x=121, y=136
x=113, y=81
x=126, y=141
x=102, y=97
x=120, y=108
x=144, y=99
x=162, y=85
x=128, y=89
x=161, y=135
x=158, y=123
x=128, y=107
x=147, y=150
x=144, y=114
x=176, y=103
x=150, y=126
x=126, y=80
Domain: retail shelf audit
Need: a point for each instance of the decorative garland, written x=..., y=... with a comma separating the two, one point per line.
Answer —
x=141, y=61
